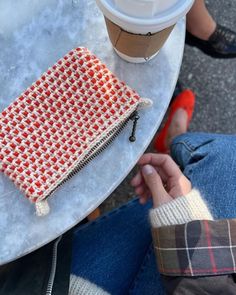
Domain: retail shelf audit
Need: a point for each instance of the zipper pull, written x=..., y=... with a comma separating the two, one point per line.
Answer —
x=135, y=118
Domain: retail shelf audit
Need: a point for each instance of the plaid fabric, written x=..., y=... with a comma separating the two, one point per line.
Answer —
x=197, y=248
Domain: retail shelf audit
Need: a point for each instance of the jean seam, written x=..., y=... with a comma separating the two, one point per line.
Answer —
x=186, y=144
x=105, y=216
x=142, y=267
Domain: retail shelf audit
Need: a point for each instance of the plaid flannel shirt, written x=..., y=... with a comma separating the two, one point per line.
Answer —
x=197, y=248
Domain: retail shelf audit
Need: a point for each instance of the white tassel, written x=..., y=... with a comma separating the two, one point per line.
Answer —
x=42, y=208
x=145, y=103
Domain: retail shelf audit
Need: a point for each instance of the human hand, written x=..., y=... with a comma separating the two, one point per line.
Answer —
x=159, y=177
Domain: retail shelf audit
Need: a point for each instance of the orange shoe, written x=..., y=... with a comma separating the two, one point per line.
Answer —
x=185, y=100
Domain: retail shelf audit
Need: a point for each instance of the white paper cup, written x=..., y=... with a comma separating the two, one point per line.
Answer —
x=136, y=60
x=139, y=37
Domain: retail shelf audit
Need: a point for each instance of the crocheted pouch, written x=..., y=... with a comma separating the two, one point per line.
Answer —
x=61, y=122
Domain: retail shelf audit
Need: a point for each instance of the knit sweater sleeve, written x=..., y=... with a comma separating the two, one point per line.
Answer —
x=81, y=286
x=181, y=210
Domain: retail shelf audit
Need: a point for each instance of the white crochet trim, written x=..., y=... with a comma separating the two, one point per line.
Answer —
x=145, y=103
x=42, y=208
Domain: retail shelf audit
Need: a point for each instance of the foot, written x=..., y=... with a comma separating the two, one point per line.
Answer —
x=178, y=126
x=220, y=44
x=179, y=117
x=202, y=30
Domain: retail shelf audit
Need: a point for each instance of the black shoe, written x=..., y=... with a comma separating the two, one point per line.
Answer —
x=221, y=44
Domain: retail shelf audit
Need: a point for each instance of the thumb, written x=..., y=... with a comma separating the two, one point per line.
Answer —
x=155, y=185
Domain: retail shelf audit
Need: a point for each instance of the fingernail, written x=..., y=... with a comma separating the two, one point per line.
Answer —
x=147, y=169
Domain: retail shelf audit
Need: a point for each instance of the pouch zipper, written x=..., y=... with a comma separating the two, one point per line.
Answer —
x=97, y=149
x=53, y=267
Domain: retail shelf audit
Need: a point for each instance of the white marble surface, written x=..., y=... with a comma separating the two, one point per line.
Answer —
x=32, y=37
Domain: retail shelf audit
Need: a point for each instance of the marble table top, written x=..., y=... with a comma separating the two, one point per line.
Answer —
x=41, y=33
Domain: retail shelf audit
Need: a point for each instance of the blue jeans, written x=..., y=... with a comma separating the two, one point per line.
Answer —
x=115, y=252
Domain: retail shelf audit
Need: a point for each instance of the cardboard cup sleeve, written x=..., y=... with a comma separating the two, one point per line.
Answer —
x=136, y=45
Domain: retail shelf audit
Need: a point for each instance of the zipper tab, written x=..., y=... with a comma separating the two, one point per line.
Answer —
x=135, y=117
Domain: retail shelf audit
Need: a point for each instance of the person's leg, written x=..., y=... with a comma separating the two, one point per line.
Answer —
x=110, y=251
x=209, y=161
x=199, y=21
x=206, y=34
x=148, y=279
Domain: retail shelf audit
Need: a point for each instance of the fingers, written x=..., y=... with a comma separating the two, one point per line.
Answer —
x=155, y=171
x=140, y=188
x=144, y=197
x=137, y=179
x=155, y=185
x=143, y=192
x=167, y=167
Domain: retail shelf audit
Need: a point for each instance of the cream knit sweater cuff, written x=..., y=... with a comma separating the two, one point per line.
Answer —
x=80, y=286
x=181, y=210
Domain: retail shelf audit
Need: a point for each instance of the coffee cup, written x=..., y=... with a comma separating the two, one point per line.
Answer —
x=139, y=28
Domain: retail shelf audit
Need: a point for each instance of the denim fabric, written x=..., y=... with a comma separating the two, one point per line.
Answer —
x=111, y=250
x=209, y=161
x=115, y=251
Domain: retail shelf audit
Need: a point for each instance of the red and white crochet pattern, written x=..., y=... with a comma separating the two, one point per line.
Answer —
x=49, y=129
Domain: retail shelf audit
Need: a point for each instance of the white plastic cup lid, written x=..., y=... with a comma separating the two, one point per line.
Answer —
x=161, y=13
x=143, y=8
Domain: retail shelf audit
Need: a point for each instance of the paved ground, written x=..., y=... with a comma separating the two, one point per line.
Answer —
x=214, y=82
